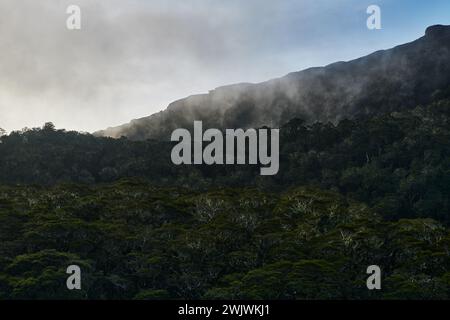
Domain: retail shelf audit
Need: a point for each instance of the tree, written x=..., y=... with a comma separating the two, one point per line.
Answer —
x=48, y=127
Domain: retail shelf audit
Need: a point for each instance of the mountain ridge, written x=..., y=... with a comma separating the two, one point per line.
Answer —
x=383, y=81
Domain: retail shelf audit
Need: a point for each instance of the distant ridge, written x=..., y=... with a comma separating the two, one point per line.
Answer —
x=384, y=81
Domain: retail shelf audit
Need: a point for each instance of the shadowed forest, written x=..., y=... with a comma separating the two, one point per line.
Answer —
x=373, y=190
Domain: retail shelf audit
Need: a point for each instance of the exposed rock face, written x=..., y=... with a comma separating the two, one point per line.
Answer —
x=437, y=31
x=384, y=81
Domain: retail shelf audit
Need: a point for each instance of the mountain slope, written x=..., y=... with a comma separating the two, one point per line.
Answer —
x=385, y=81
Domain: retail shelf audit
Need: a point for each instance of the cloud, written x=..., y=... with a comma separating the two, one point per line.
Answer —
x=131, y=58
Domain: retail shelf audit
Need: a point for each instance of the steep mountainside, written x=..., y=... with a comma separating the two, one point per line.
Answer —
x=388, y=80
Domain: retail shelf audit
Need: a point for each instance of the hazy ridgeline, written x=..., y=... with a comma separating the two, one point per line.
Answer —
x=385, y=81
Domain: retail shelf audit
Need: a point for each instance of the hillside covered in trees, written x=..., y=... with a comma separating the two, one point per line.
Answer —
x=398, y=162
x=348, y=195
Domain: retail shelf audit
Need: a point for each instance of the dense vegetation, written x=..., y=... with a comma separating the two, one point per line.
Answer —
x=372, y=191
x=136, y=241
x=397, y=163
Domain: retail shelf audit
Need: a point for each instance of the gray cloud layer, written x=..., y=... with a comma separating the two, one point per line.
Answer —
x=133, y=57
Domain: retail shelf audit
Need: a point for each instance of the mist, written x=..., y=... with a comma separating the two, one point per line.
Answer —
x=132, y=58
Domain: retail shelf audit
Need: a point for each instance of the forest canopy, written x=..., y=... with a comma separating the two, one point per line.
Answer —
x=371, y=191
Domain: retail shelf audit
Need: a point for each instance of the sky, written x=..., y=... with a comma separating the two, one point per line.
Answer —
x=131, y=58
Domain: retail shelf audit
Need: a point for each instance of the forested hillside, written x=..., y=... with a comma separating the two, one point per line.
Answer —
x=397, y=163
x=350, y=195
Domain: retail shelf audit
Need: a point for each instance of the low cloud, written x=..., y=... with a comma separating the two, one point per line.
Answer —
x=131, y=58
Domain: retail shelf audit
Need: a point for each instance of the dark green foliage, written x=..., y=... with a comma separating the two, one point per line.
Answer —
x=397, y=163
x=136, y=241
x=359, y=193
